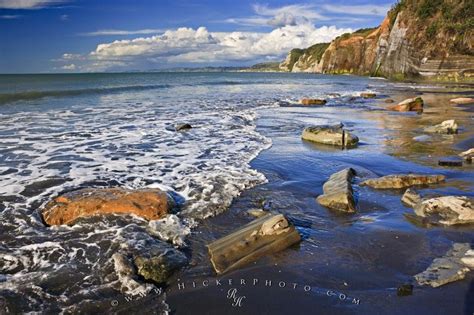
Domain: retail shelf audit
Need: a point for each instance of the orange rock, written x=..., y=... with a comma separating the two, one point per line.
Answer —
x=312, y=101
x=409, y=105
x=150, y=204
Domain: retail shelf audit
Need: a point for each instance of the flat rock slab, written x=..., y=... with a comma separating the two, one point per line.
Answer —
x=402, y=181
x=446, y=127
x=450, y=161
x=330, y=135
x=446, y=269
x=312, y=101
x=150, y=204
x=412, y=104
x=447, y=210
x=462, y=100
x=266, y=235
x=338, y=193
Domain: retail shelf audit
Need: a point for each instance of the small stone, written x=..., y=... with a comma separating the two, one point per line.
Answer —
x=467, y=155
x=450, y=161
x=257, y=213
x=411, y=198
x=181, y=127
x=368, y=95
x=446, y=127
x=312, y=101
x=462, y=100
x=405, y=290
x=389, y=100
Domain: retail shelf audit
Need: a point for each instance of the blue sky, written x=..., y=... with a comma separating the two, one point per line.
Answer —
x=119, y=35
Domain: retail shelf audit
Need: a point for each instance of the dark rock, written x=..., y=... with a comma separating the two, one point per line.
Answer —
x=338, y=193
x=158, y=265
x=405, y=290
x=181, y=127
x=450, y=161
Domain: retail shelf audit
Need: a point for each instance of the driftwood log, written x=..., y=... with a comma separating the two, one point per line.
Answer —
x=266, y=235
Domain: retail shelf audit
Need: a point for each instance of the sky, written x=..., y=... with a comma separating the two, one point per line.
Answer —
x=39, y=36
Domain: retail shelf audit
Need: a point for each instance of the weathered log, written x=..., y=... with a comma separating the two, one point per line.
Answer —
x=266, y=235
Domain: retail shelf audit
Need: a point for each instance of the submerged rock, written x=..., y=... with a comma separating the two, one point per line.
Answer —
x=181, y=127
x=446, y=269
x=150, y=204
x=462, y=100
x=312, y=101
x=409, y=105
x=338, y=193
x=158, y=265
x=467, y=155
x=405, y=290
x=389, y=100
x=402, y=181
x=331, y=135
x=368, y=95
x=450, y=161
x=411, y=198
x=446, y=127
x=447, y=210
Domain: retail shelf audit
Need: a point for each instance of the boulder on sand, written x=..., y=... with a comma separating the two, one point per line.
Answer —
x=446, y=127
x=409, y=105
x=338, y=193
x=312, y=101
x=402, y=181
x=449, y=268
x=462, y=100
x=151, y=204
x=331, y=135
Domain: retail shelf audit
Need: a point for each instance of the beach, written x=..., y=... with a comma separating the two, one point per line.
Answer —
x=244, y=151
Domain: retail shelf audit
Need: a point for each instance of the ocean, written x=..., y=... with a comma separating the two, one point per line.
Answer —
x=62, y=132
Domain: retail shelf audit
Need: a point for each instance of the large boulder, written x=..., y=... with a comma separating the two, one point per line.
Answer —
x=338, y=193
x=312, y=101
x=331, y=135
x=463, y=100
x=409, y=105
x=447, y=210
x=446, y=127
x=451, y=267
x=402, y=181
x=150, y=204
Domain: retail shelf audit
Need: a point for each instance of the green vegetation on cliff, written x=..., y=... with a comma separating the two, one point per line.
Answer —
x=314, y=52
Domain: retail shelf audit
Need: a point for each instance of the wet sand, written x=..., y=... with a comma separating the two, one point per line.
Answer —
x=345, y=264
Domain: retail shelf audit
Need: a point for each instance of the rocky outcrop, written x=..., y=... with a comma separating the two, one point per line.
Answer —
x=409, y=105
x=417, y=39
x=304, y=60
x=446, y=127
x=338, y=193
x=150, y=204
x=332, y=135
x=452, y=267
x=402, y=181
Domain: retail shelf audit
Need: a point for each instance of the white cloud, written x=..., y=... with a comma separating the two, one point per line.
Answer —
x=191, y=46
x=28, y=4
x=69, y=67
x=377, y=10
x=146, y=31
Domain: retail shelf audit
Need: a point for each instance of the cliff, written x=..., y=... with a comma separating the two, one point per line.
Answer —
x=418, y=39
